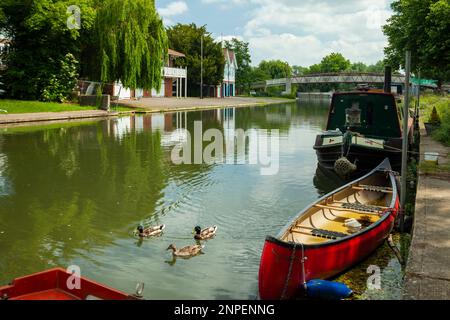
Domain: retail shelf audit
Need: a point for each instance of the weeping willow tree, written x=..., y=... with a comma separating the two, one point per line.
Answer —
x=132, y=42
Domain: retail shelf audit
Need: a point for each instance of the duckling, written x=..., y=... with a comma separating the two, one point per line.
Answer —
x=150, y=231
x=186, y=252
x=204, y=234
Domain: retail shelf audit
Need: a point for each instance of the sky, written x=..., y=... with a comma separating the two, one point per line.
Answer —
x=300, y=32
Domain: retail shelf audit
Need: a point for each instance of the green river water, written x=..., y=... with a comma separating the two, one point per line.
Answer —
x=72, y=194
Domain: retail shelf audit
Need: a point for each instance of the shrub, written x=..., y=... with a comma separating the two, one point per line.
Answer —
x=434, y=117
x=61, y=82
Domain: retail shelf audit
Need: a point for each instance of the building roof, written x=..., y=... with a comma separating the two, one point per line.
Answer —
x=176, y=54
x=230, y=57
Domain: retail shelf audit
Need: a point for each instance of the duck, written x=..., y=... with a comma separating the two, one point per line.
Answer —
x=204, y=234
x=150, y=231
x=186, y=252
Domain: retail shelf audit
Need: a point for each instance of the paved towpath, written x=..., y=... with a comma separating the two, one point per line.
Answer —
x=185, y=104
x=428, y=269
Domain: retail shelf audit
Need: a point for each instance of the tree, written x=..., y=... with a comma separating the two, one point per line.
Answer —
x=244, y=71
x=42, y=47
x=132, y=42
x=422, y=27
x=334, y=62
x=186, y=38
x=377, y=67
x=299, y=71
x=358, y=67
x=275, y=69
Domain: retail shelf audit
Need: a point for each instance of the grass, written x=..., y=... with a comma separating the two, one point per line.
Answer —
x=22, y=106
x=442, y=104
x=433, y=169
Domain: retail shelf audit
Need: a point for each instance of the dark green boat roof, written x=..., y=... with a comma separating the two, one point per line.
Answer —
x=368, y=113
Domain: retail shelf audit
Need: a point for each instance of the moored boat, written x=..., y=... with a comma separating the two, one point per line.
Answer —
x=365, y=128
x=330, y=236
x=53, y=285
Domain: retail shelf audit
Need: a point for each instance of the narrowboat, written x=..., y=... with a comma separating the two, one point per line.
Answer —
x=54, y=285
x=330, y=236
x=364, y=128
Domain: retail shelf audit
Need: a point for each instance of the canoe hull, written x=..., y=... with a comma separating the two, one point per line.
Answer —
x=282, y=273
x=323, y=262
x=53, y=285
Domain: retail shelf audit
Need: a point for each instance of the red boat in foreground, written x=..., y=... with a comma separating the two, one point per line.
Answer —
x=52, y=285
x=330, y=236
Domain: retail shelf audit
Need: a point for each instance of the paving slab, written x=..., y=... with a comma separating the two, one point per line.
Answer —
x=185, y=104
x=427, y=275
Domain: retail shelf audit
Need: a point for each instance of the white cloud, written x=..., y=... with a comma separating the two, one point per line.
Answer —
x=302, y=32
x=171, y=10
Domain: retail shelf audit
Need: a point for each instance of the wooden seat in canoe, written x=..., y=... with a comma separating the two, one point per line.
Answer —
x=373, y=188
x=320, y=233
x=355, y=208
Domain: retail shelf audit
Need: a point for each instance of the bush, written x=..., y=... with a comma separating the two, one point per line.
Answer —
x=434, y=117
x=61, y=83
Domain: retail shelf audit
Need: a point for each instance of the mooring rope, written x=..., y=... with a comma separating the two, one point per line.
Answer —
x=288, y=277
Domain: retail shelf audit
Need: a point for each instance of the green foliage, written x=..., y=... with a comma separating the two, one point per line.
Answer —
x=334, y=62
x=186, y=38
x=422, y=27
x=41, y=42
x=244, y=71
x=275, y=69
x=442, y=106
x=132, y=42
x=434, y=117
x=61, y=84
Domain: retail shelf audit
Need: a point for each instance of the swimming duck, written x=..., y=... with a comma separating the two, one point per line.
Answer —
x=150, y=231
x=204, y=234
x=186, y=252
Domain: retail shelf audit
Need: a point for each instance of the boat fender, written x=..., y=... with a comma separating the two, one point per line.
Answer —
x=344, y=167
x=327, y=290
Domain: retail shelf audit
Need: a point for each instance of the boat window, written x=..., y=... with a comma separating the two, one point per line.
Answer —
x=353, y=115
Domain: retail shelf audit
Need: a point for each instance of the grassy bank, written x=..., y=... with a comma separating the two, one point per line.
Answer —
x=442, y=104
x=21, y=106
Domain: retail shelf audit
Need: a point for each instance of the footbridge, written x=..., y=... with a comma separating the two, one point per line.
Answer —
x=329, y=78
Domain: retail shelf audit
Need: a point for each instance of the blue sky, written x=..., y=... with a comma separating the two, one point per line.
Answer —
x=298, y=31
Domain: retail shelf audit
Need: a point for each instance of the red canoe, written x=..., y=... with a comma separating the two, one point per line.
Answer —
x=330, y=236
x=52, y=285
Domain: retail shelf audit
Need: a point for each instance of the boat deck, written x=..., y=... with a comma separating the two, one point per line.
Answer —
x=53, y=294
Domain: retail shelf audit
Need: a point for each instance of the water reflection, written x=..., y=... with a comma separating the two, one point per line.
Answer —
x=75, y=193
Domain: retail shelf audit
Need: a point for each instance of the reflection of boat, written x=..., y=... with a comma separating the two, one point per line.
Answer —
x=54, y=285
x=364, y=127
x=331, y=235
x=326, y=180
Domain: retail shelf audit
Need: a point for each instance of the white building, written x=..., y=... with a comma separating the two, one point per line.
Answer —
x=228, y=87
x=174, y=83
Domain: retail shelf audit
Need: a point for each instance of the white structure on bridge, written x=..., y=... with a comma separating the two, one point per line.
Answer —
x=355, y=78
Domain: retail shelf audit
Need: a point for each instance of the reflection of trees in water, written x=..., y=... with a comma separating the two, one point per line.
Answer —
x=74, y=187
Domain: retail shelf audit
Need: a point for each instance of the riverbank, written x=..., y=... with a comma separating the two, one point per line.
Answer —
x=158, y=105
x=53, y=116
x=29, y=111
x=427, y=274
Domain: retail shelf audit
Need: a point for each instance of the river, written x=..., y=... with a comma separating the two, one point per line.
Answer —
x=72, y=194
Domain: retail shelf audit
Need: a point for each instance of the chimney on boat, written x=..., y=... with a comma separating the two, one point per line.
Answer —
x=387, y=79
